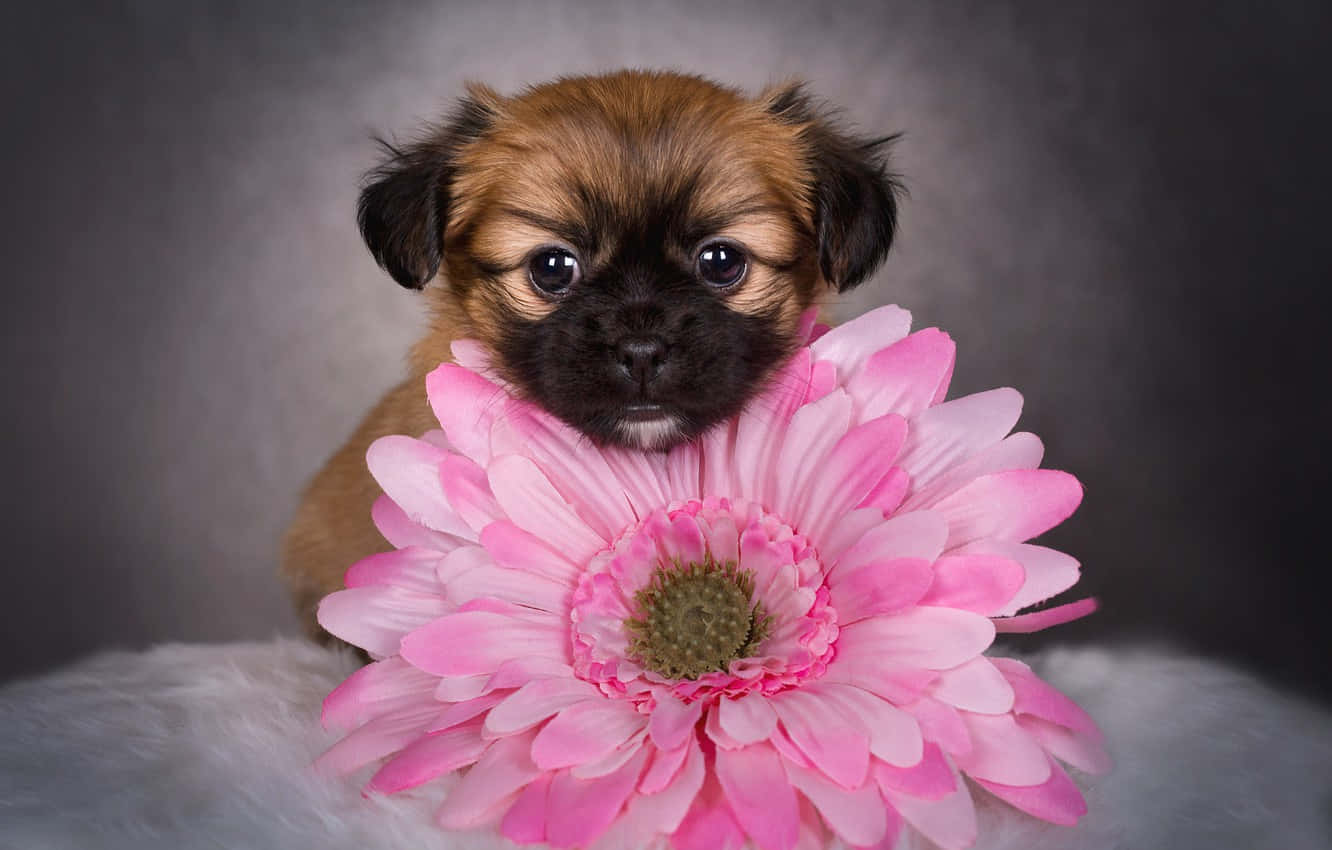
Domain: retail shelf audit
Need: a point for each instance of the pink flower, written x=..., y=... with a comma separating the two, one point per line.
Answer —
x=769, y=635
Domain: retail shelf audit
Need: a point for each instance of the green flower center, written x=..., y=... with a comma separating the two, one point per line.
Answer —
x=696, y=618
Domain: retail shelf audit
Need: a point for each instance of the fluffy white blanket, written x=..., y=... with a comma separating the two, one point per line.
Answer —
x=209, y=746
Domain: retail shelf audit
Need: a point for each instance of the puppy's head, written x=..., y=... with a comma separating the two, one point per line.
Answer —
x=635, y=249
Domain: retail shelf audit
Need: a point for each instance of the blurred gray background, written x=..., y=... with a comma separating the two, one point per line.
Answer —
x=1119, y=209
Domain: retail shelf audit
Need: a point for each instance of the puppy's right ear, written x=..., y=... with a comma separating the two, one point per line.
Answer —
x=405, y=200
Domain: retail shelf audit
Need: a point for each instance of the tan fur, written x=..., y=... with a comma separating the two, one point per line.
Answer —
x=548, y=147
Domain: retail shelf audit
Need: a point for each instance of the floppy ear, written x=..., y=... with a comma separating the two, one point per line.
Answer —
x=405, y=199
x=855, y=195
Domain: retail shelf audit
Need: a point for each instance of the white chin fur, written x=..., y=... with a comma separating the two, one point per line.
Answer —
x=652, y=434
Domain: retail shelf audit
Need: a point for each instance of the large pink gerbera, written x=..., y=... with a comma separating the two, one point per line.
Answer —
x=772, y=634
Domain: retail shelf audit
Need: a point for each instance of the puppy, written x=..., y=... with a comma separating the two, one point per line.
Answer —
x=634, y=250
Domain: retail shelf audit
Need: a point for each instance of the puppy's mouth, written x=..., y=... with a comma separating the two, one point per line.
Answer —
x=648, y=426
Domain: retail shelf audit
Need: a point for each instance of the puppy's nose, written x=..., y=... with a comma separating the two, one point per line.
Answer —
x=641, y=359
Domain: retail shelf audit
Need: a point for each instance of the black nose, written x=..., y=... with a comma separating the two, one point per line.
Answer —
x=641, y=359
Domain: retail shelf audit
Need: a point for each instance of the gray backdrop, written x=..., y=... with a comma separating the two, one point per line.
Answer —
x=1116, y=208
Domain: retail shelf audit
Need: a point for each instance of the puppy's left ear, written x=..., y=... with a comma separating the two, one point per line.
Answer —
x=855, y=194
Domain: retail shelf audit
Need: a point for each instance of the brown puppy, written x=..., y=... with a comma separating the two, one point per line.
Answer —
x=634, y=249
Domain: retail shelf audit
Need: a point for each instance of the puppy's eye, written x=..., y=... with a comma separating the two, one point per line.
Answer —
x=553, y=271
x=721, y=264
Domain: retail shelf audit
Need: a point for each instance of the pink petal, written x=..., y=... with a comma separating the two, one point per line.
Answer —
x=411, y=568
x=1081, y=749
x=878, y=587
x=1016, y=451
x=377, y=738
x=1048, y=572
x=408, y=470
x=931, y=779
x=906, y=377
x=518, y=587
x=974, y=686
x=1057, y=800
x=468, y=491
x=1025, y=624
x=710, y=823
x=377, y=618
x=1001, y=751
x=949, y=821
x=582, y=809
x=932, y=638
x=470, y=354
x=1015, y=505
x=760, y=795
x=525, y=821
x=813, y=431
x=1038, y=698
x=461, y=712
x=894, y=735
x=661, y=812
x=384, y=687
x=664, y=767
x=941, y=723
x=673, y=721
x=534, y=702
x=471, y=643
x=529, y=499
x=850, y=345
x=858, y=816
x=502, y=771
x=584, y=732
x=402, y=531
x=980, y=583
x=759, y=432
x=897, y=684
x=747, y=719
x=429, y=757
x=641, y=482
x=887, y=495
x=465, y=404
x=945, y=435
x=858, y=462
x=838, y=749
x=516, y=549
x=919, y=534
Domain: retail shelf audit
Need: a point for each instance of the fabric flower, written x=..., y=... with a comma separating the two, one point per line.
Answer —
x=774, y=634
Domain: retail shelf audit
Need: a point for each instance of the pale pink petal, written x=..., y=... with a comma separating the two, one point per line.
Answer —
x=377, y=738
x=408, y=470
x=581, y=809
x=943, y=436
x=461, y=712
x=981, y=583
x=1016, y=505
x=662, y=811
x=849, y=345
x=906, y=377
x=1024, y=624
x=1080, y=749
x=471, y=643
x=878, y=587
x=1038, y=698
x=402, y=531
x=377, y=618
x=665, y=765
x=748, y=719
x=851, y=527
x=856, y=464
x=516, y=586
x=761, y=429
x=710, y=823
x=899, y=684
x=504, y=770
x=470, y=354
x=949, y=821
x=887, y=495
x=672, y=721
x=931, y=778
x=429, y=757
x=839, y=750
x=1057, y=800
x=517, y=672
x=1001, y=751
x=941, y=723
x=534, y=702
x=384, y=687
x=932, y=638
x=411, y=568
x=517, y=549
x=465, y=404
x=1047, y=572
x=974, y=686
x=760, y=795
x=858, y=816
x=1016, y=451
x=525, y=821
x=640, y=481
x=920, y=534
x=468, y=491
x=813, y=431
x=894, y=735
x=584, y=732
x=613, y=760
x=684, y=471
x=529, y=499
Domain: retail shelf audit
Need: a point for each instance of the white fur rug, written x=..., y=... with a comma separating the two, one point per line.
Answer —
x=208, y=746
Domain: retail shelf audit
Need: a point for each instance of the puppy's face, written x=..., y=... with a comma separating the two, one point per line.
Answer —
x=635, y=249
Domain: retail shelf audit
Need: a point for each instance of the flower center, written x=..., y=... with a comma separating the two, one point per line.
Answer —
x=696, y=618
